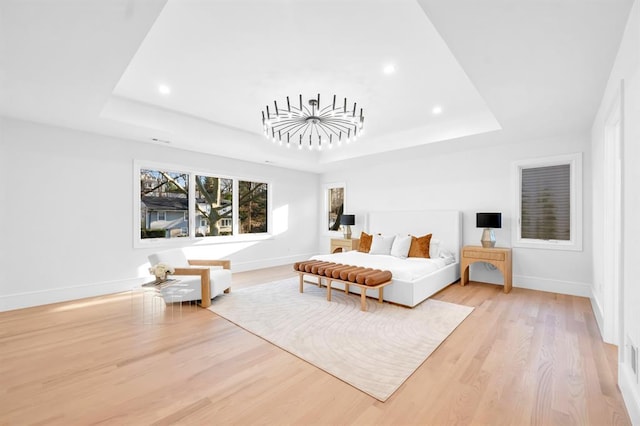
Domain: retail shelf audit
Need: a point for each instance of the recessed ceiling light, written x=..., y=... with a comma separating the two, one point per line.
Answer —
x=436, y=110
x=389, y=69
x=164, y=89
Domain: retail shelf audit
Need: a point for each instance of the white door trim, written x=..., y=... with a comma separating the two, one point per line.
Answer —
x=612, y=229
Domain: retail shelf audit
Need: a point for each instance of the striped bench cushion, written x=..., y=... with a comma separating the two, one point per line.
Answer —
x=338, y=271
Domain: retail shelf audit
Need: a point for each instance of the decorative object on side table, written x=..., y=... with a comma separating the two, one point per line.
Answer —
x=488, y=221
x=347, y=220
x=160, y=271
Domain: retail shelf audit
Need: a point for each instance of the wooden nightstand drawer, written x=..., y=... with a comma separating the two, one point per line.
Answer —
x=482, y=254
x=344, y=244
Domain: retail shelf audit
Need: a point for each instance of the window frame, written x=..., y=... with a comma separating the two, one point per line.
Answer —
x=139, y=242
x=575, y=199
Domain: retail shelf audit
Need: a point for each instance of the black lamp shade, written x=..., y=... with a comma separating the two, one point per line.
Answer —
x=488, y=220
x=348, y=219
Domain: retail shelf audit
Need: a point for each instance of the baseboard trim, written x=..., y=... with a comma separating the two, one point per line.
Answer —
x=29, y=299
x=629, y=390
x=571, y=288
x=64, y=294
x=598, y=313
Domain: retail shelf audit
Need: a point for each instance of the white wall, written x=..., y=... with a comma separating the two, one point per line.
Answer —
x=471, y=175
x=67, y=213
x=626, y=68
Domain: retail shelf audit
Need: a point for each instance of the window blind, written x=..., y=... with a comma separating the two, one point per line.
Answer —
x=546, y=203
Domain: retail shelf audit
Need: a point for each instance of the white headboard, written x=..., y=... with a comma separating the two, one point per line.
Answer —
x=444, y=225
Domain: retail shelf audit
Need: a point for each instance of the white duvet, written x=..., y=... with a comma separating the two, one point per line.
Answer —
x=408, y=269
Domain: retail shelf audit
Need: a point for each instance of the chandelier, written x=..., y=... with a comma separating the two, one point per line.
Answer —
x=313, y=126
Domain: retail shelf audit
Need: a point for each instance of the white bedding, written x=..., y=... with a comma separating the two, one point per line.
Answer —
x=409, y=269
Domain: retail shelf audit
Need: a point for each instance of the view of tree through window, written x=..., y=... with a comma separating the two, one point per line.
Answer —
x=336, y=206
x=252, y=206
x=164, y=204
x=165, y=197
x=214, y=206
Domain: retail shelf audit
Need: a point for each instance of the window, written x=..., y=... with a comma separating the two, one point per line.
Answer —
x=549, y=203
x=253, y=207
x=173, y=203
x=334, y=206
x=214, y=203
x=163, y=203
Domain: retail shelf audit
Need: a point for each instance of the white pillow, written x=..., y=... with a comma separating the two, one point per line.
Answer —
x=448, y=257
x=434, y=248
x=173, y=257
x=381, y=244
x=401, y=245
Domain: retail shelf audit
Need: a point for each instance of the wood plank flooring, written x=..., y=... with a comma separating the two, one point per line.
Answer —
x=521, y=358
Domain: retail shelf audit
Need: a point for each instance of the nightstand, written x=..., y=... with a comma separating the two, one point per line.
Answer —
x=344, y=244
x=497, y=256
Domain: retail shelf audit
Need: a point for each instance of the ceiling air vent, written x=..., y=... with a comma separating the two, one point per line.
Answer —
x=161, y=140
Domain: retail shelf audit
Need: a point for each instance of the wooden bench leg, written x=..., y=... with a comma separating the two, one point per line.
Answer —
x=363, y=288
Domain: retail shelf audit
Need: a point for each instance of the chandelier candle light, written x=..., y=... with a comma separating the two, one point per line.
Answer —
x=314, y=126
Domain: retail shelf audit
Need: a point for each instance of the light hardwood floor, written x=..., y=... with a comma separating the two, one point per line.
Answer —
x=521, y=358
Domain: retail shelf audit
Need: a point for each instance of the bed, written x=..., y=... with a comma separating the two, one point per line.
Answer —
x=414, y=279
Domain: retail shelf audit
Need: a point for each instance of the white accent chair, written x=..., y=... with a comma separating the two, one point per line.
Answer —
x=206, y=277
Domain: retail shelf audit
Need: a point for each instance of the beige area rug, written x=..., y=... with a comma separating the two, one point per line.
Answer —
x=374, y=351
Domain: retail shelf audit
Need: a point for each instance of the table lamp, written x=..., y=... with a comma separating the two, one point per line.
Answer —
x=348, y=220
x=488, y=221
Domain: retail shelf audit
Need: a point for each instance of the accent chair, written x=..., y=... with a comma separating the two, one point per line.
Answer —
x=206, y=277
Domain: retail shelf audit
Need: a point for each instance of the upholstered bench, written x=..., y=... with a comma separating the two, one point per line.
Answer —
x=364, y=278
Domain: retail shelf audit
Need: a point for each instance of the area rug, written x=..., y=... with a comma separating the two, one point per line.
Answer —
x=374, y=351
